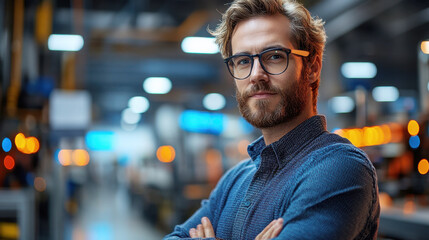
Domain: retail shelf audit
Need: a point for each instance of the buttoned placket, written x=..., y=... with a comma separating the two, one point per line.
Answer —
x=255, y=189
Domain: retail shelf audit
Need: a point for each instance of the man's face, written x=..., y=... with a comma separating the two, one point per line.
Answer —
x=267, y=100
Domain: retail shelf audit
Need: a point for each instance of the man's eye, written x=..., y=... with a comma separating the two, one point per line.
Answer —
x=276, y=56
x=243, y=61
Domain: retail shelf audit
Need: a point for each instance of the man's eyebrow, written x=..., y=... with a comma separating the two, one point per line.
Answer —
x=266, y=48
x=241, y=53
x=273, y=46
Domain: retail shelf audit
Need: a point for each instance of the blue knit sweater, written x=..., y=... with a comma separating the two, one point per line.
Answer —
x=320, y=184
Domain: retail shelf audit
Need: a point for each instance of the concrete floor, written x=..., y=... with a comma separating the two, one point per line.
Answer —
x=106, y=214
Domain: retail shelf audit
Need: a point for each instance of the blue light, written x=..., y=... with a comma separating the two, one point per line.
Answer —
x=6, y=144
x=56, y=158
x=202, y=122
x=29, y=177
x=123, y=160
x=414, y=142
x=100, y=140
x=245, y=126
x=100, y=231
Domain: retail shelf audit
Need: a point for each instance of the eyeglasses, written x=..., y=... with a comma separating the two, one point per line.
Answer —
x=274, y=61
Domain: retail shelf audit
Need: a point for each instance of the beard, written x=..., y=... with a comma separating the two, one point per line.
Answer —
x=292, y=102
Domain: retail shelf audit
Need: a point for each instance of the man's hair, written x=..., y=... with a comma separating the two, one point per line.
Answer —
x=307, y=33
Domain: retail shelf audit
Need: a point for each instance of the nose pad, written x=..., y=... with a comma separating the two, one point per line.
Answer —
x=258, y=73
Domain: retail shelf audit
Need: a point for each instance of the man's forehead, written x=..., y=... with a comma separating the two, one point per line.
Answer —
x=258, y=33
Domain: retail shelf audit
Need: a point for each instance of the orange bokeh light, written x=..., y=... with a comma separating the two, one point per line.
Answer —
x=166, y=154
x=242, y=147
x=26, y=145
x=355, y=136
x=413, y=128
x=32, y=145
x=80, y=157
x=372, y=136
x=387, y=133
x=9, y=162
x=425, y=47
x=39, y=184
x=20, y=141
x=423, y=166
x=65, y=157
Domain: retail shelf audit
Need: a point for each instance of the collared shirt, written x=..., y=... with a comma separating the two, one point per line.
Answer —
x=319, y=183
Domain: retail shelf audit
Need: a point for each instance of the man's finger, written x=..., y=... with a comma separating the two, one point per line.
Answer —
x=200, y=230
x=208, y=228
x=274, y=230
x=278, y=228
x=261, y=235
x=193, y=233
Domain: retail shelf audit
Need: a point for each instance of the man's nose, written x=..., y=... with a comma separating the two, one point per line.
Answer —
x=258, y=73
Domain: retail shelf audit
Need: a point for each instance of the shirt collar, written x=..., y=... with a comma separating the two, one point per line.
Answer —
x=291, y=143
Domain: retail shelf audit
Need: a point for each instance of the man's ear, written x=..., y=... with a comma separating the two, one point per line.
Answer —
x=315, y=69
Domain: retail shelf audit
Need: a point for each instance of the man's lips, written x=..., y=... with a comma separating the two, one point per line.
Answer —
x=259, y=95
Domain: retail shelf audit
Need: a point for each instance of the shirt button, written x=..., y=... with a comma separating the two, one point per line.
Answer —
x=246, y=203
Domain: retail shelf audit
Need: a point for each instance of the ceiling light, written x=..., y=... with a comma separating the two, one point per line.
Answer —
x=65, y=42
x=425, y=47
x=214, y=101
x=342, y=104
x=359, y=70
x=201, y=45
x=157, y=85
x=385, y=94
x=138, y=104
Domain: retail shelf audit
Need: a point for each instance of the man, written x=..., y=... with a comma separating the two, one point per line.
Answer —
x=301, y=182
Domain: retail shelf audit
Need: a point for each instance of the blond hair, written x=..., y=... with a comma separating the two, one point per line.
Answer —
x=307, y=32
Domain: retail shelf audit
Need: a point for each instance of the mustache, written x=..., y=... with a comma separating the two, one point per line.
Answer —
x=262, y=86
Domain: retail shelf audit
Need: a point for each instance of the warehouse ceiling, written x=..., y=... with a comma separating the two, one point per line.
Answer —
x=127, y=41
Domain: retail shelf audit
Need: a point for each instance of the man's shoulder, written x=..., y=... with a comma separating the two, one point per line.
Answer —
x=340, y=153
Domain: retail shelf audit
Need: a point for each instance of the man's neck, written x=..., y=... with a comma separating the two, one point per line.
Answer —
x=273, y=134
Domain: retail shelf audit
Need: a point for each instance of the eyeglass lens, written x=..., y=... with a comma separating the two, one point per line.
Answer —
x=273, y=62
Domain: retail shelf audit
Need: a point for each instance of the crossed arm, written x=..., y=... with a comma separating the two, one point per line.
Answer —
x=205, y=230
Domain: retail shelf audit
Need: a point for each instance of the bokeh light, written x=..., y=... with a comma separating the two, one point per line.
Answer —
x=130, y=117
x=414, y=142
x=31, y=145
x=423, y=166
x=20, y=141
x=138, y=104
x=25, y=145
x=214, y=101
x=413, y=127
x=9, y=162
x=65, y=157
x=6, y=144
x=372, y=136
x=166, y=154
x=157, y=85
x=425, y=47
x=80, y=157
x=39, y=184
x=242, y=147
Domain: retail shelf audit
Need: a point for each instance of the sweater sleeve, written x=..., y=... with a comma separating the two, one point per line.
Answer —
x=336, y=197
x=210, y=208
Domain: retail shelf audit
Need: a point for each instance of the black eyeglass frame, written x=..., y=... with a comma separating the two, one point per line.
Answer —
x=302, y=53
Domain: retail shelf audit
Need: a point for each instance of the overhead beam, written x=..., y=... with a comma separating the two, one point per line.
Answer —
x=404, y=25
x=356, y=16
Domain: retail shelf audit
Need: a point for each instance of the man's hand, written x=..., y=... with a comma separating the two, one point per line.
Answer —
x=272, y=230
x=205, y=230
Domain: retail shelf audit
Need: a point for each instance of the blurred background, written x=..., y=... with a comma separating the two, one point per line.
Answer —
x=118, y=117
